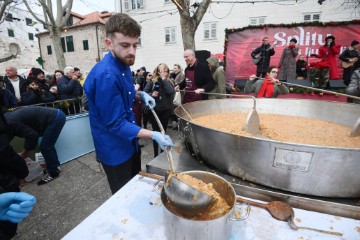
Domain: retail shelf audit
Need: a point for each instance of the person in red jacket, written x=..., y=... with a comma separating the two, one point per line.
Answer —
x=328, y=53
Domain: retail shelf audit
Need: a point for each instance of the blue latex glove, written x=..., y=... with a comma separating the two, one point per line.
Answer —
x=162, y=140
x=147, y=99
x=15, y=206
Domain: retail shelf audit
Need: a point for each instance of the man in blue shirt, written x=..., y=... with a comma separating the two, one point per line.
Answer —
x=111, y=95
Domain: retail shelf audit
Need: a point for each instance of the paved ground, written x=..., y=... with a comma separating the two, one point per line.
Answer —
x=65, y=202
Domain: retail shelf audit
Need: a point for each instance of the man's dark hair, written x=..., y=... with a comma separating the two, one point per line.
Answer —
x=122, y=23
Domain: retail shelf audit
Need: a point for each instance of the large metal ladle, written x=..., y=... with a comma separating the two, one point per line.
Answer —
x=183, y=198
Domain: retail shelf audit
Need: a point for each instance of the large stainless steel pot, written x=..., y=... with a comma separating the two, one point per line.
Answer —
x=301, y=168
x=178, y=227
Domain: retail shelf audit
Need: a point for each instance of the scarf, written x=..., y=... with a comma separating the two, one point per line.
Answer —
x=266, y=89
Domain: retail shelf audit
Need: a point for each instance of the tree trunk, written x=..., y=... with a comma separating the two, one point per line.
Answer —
x=55, y=34
x=188, y=30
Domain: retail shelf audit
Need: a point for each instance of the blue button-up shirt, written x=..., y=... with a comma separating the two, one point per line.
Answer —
x=110, y=92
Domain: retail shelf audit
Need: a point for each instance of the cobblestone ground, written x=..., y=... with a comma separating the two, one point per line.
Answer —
x=65, y=202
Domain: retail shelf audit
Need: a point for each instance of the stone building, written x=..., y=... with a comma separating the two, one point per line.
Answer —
x=18, y=43
x=161, y=39
x=82, y=42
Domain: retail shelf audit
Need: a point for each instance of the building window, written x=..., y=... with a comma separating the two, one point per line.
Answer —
x=69, y=44
x=70, y=21
x=85, y=44
x=31, y=36
x=311, y=17
x=11, y=33
x=49, y=50
x=139, y=41
x=28, y=21
x=8, y=17
x=170, y=35
x=133, y=4
x=63, y=44
x=167, y=1
x=257, y=20
x=210, y=31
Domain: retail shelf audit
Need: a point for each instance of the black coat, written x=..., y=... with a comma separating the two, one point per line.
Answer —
x=10, y=87
x=30, y=123
x=203, y=78
x=69, y=88
x=264, y=63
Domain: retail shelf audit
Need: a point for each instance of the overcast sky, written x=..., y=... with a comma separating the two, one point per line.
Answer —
x=87, y=6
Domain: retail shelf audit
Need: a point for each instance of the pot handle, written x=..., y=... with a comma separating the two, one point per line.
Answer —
x=157, y=185
x=246, y=214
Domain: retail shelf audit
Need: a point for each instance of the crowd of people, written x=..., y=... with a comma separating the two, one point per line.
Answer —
x=290, y=69
x=120, y=105
x=39, y=89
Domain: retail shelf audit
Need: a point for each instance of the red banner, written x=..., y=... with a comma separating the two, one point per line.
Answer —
x=240, y=44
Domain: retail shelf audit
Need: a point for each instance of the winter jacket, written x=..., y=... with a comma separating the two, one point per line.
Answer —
x=353, y=88
x=218, y=74
x=166, y=90
x=69, y=88
x=266, y=53
x=202, y=76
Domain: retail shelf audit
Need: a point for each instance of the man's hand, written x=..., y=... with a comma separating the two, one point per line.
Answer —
x=147, y=99
x=199, y=90
x=15, y=206
x=163, y=140
x=252, y=77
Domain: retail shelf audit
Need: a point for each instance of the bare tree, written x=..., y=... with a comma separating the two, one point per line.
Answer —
x=190, y=18
x=3, y=5
x=54, y=24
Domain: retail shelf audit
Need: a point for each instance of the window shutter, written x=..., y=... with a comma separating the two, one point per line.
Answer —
x=316, y=17
x=253, y=21
x=126, y=5
x=262, y=20
x=307, y=17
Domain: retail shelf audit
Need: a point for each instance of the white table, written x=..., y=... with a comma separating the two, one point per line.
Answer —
x=136, y=212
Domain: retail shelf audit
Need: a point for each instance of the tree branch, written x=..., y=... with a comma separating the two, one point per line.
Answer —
x=32, y=13
x=67, y=7
x=3, y=7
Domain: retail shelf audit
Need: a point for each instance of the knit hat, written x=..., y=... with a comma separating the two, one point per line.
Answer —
x=76, y=69
x=213, y=61
x=293, y=40
x=143, y=68
x=354, y=42
x=36, y=71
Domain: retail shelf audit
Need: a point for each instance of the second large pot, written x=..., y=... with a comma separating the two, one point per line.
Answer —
x=178, y=227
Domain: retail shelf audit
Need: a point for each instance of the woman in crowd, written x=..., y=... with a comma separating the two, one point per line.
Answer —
x=161, y=89
x=269, y=87
x=328, y=53
x=57, y=75
x=287, y=62
x=145, y=119
x=36, y=94
x=354, y=86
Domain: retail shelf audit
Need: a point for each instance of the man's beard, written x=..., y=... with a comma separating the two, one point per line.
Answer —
x=129, y=60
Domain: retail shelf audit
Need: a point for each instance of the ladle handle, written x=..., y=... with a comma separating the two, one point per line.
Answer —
x=321, y=90
x=226, y=94
x=167, y=149
x=256, y=204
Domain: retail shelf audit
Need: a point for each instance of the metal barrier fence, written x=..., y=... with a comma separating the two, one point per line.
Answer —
x=68, y=106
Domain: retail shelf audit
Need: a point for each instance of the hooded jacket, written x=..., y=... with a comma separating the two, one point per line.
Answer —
x=218, y=74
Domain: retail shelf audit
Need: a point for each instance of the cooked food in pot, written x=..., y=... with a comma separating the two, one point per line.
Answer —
x=220, y=207
x=285, y=129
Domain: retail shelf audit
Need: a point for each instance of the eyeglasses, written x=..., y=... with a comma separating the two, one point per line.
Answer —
x=276, y=72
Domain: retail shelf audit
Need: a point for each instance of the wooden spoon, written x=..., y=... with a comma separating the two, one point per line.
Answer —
x=279, y=210
x=283, y=212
